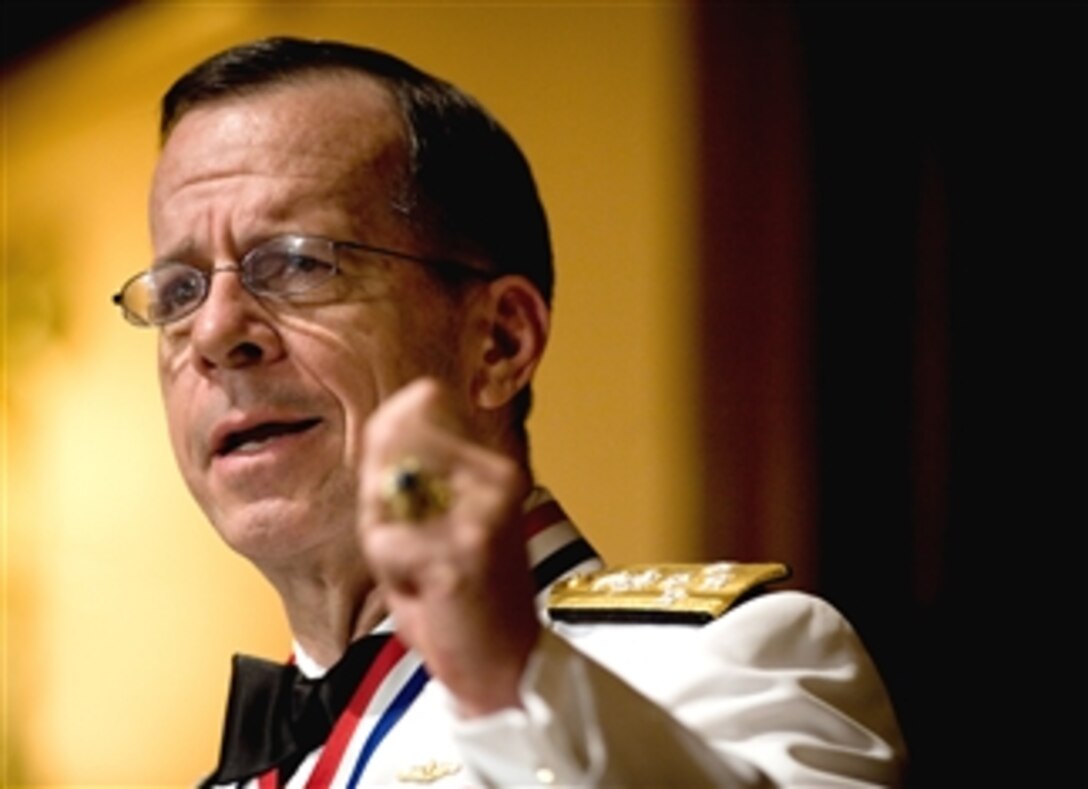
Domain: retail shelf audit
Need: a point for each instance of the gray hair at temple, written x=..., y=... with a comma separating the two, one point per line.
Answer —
x=469, y=187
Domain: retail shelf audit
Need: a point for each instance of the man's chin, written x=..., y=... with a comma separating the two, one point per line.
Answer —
x=275, y=539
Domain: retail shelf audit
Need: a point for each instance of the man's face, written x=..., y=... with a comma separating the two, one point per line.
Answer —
x=266, y=401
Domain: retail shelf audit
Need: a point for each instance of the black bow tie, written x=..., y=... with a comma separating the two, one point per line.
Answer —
x=275, y=715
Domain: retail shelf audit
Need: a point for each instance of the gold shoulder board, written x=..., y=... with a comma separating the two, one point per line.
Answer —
x=681, y=593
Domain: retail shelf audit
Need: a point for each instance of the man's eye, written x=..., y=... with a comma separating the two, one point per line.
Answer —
x=269, y=268
x=288, y=273
x=302, y=265
x=176, y=290
x=292, y=264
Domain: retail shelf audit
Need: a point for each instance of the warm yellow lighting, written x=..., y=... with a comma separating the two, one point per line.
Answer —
x=121, y=606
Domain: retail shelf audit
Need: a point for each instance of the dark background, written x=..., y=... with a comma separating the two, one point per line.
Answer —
x=976, y=135
x=30, y=28
x=933, y=156
x=902, y=187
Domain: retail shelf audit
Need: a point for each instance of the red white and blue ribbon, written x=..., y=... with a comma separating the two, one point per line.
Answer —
x=397, y=676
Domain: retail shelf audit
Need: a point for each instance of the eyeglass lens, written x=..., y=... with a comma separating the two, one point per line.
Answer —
x=282, y=266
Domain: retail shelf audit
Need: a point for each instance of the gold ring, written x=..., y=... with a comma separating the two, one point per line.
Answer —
x=411, y=494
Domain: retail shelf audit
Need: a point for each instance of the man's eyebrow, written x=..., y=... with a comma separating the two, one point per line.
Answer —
x=188, y=251
x=185, y=252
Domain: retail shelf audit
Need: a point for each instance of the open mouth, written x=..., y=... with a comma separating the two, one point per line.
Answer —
x=254, y=437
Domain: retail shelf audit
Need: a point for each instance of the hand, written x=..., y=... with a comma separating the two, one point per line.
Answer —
x=457, y=583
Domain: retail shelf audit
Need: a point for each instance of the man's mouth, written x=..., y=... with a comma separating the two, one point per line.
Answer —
x=255, y=437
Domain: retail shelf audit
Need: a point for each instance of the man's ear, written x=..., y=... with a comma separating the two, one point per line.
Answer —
x=515, y=323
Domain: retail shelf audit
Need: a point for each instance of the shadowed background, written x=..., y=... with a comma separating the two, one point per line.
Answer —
x=820, y=300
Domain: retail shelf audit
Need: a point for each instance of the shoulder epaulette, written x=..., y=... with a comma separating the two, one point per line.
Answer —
x=681, y=593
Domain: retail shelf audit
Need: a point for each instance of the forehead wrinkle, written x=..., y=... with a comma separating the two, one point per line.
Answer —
x=267, y=205
x=286, y=163
x=169, y=190
x=271, y=195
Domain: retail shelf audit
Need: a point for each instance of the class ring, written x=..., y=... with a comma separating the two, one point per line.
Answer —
x=411, y=494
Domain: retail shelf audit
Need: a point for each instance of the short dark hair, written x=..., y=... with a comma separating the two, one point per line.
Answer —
x=467, y=177
x=469, y=184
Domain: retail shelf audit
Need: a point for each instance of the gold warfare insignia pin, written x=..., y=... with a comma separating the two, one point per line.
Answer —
x=428, y=772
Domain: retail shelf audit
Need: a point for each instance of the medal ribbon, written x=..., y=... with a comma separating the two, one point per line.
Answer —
x=570, y=550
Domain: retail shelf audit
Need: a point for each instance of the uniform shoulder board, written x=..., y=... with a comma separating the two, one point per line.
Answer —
x=679, y=593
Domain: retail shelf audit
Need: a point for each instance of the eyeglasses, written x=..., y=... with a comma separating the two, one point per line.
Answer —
x=280, y=268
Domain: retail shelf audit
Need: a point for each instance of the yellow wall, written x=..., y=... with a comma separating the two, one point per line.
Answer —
x=120, y=606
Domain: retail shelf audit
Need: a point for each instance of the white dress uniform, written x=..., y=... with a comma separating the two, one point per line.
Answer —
x=633, y=690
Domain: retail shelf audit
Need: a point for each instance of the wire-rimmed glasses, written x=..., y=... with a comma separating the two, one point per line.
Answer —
x=279, y=268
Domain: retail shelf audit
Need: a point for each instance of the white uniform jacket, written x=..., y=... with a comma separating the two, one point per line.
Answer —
x=778, y=691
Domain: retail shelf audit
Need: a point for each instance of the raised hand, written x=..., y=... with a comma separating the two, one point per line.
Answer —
x=454, y=573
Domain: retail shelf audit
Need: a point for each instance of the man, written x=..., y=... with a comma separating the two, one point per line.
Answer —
x=352, y=286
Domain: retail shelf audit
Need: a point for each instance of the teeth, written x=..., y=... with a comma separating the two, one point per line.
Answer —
x=251, y=446
x=253, y=439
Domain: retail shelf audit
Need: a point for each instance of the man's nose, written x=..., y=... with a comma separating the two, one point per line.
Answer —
x=232, y=329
